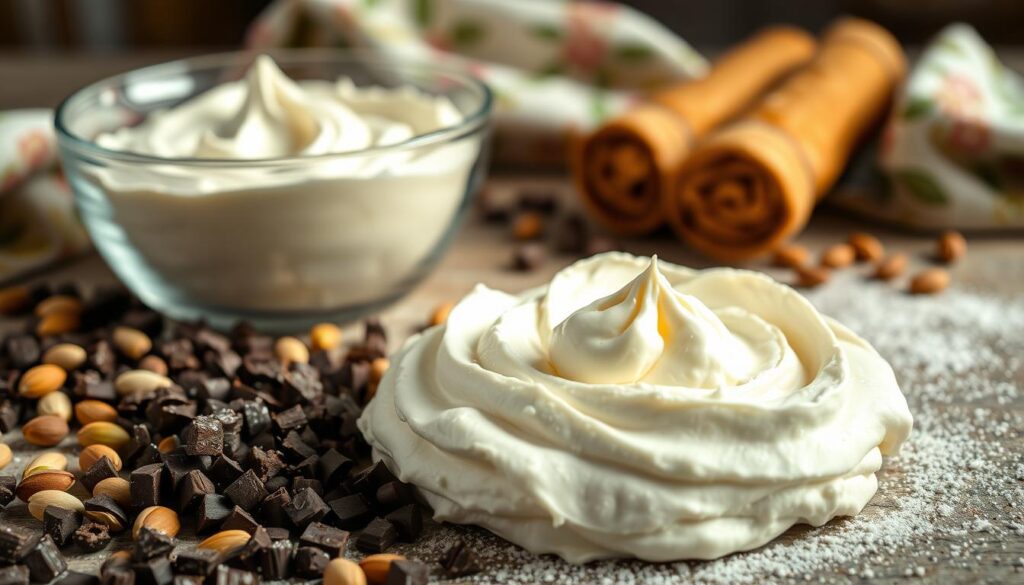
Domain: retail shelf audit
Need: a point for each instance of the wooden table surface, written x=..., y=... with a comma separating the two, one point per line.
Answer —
x=481, y=253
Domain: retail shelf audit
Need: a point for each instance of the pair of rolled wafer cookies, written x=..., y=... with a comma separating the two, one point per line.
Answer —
x=735, y=161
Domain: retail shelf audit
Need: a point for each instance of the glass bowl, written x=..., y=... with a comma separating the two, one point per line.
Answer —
x=297, y=240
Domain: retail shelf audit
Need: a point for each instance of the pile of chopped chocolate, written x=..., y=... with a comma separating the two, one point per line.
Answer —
x=246, y=438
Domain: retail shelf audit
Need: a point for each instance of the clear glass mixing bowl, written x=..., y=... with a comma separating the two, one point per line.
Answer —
x=301, y=242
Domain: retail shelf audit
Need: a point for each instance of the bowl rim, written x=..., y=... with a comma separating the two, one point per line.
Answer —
x=469, y=124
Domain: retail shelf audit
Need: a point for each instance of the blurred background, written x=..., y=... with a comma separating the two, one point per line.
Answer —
x=120, y=25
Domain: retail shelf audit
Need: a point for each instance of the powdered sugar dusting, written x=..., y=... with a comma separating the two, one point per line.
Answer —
x=957, y=486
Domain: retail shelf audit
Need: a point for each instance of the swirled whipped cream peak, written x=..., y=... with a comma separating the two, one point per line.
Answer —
x=635, y=408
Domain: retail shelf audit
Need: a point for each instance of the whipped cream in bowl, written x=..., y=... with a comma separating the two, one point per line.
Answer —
x=283, y=189
x=635, y=408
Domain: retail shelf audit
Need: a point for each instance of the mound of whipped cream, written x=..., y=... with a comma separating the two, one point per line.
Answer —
x=634, y=408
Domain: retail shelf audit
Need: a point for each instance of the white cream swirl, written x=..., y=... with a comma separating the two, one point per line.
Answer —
x=635, y=408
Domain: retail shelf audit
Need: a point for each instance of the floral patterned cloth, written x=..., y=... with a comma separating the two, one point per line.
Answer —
x=553, y=65
x=38, y=225
x=953, y=149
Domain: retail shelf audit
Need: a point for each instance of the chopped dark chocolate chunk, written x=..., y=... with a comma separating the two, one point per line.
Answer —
x=60, y=524
x=250, y=553
x=275, y=483
x=154, y=571
x=408, y=520
x=180, y=354
x=230, y=420
x=239, y=519
x=22, y=350
x=91, y=536
x=213, y=510
x=529, y=257
x=370, y=479
x=104, y=504
x=247, y=491
x=306, y=467
x=102, y=469
x=229, y=576
x=352, y=512
x=15, y=543
x=192, y=488
x=256, y=416
x=224, y=471
x=459, y=560
x=276, y=561
x=260, y=368
x=204, y=436
x=14, y=575
x=151, y=543
x=333, y=467
x=306, y=507
x=408, y=572
x=377, y=537
x=144, y=485
x=199, y=561
x=76, y=578
x=117, y=569
x=10, y=412
x=327, y=538
x=8, y=484
x=394, y=494
x=301, y=384
x=295, y=447
x=266, y=464
x=278, y=533
x=272, y=509
x=301, y=483
x=310, y=562
x=44, y=561
x=289, y=419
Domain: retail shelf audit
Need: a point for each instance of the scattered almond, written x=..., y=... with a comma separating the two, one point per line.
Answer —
x=343, y=572
x=93, y=453
x=891, y=267
x=838, y=256
x=39, y=501
x=59, y=304
x=66, y=355
x=528, y=226
x=168, y=444
x=290, y=350
x=40, y=380
x=117, y=488
x=5, y=455
x=131, y=342
x=113, y=522
x=226, y=541
x=57, y=324
x=811, y=276
x=866, y=247
x=440, y=313
x=140, y=382
x=45, y=430
x=55, y=403
x=376, y=567
x=103, y=433
x=88, y=411
x=164, y=520
x=791, y=256
x=153, y=363
x=14, y=299
x=325, y=336
x=951, y=247
x=930, y=281
x=48, y=461
x=49, y=479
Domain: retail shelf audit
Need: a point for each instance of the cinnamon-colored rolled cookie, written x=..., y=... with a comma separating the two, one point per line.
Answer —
x=752, y=185
x=624, y=168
